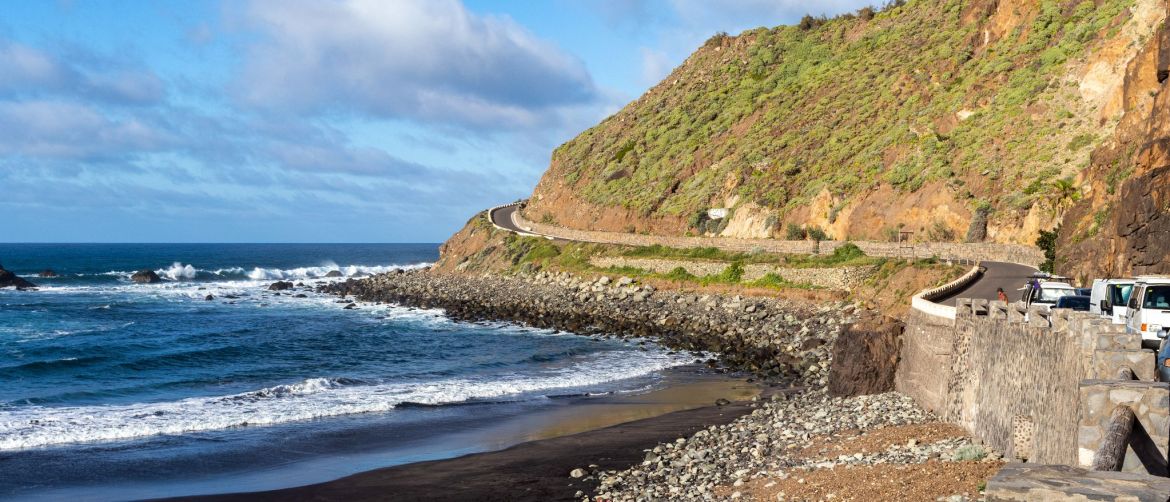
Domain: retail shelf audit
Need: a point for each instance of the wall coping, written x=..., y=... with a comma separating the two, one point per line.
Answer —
x=922, y=301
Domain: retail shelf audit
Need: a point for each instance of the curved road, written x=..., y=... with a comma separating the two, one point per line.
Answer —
x=502, y=217
x=1008, y=276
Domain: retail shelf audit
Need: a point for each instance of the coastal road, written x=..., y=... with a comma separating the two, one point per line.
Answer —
x=1008, y=276
x=502, y=217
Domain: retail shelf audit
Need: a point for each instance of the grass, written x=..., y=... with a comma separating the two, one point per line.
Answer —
x=527, y=252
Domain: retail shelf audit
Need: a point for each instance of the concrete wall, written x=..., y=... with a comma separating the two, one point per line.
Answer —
x=1012, y=253
x=1020, y=384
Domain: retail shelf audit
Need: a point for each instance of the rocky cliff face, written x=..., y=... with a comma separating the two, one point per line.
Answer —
x=918, y=119
x=1122, y=226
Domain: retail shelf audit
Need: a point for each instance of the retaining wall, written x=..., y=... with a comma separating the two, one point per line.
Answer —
x=954, y=251
x=1029, y=383
x=839, y=278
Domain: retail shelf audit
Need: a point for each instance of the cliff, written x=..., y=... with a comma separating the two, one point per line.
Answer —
x=947, y=118
x=1122, y=225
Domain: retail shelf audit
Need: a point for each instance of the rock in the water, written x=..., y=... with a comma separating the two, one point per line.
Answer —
x=722, y=402
x=350, y=306
x=577, y=473
x=209, y=297
x=145, y=277
x=48, y=272
x=334, y=273
x=280, y=286
x=9, y=279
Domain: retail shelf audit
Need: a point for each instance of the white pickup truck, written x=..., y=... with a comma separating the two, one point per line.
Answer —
x=1110, y=298
x=1149, y=310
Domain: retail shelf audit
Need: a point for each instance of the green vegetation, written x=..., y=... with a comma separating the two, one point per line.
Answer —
x=779, y=115
x=1047, y=243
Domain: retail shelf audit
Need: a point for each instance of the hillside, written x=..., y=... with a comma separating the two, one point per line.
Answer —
x=925, y=117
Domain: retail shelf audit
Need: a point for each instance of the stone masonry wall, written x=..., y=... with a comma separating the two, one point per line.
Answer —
x=1029, y=383
x=839, y=278
x=1014, y=384
x=1011, y=253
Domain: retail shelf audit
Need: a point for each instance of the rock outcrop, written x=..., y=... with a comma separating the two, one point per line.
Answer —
x=9, y=279
x=1122, y=226
x=145, y=276
x=280, y=286
x=47, y=273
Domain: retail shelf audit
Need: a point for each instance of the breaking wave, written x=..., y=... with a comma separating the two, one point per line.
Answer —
x=37, y=426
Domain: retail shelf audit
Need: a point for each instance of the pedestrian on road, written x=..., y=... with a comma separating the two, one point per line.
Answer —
x=1001, y=295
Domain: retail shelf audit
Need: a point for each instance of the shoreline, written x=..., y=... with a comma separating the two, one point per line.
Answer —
x=782, y=344
x=536, y=470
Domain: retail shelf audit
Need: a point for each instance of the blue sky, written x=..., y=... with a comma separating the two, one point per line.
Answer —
x=315, y=121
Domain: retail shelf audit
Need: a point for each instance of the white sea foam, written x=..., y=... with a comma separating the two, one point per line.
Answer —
x=177, y=271
x=34, y=426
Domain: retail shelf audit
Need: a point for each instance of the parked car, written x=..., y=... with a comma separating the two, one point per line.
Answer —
x=1110, y=298
x=1075, y=302
x=1149, y=310
x=1045, y=292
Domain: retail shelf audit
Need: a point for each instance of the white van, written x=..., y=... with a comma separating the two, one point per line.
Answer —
x=1110, y=298
x=1149, y=310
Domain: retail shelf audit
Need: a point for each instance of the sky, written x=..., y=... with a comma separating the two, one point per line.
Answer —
x=316, y=121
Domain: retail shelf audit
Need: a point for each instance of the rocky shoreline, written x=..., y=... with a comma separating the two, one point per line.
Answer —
x=778, y=341
x=797, y=443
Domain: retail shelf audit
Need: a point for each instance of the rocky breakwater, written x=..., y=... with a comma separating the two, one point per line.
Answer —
x=778, y=340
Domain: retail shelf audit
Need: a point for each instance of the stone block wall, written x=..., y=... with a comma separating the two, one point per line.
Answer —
x=1013, y=378
x=1012, y=253
x=1014, y=382
x=1150, y=402
x=838, y=278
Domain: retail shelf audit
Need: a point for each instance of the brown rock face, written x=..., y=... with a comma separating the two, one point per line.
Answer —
x=1123, y=226
x=865, y=357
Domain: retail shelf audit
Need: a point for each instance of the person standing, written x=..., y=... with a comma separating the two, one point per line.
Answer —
x=1001, y=295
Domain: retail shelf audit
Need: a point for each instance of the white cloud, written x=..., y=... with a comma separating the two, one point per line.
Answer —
x=60, y=129
x=28, y=71
x=429, y=60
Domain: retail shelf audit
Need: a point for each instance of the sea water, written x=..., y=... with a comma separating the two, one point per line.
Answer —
x=207, y=382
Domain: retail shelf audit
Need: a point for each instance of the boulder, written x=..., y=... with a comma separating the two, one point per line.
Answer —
x=145, y=276
x=48, y=272
x=209, y=297
x=334, y=273
x=865, y=358
x=280, y=286
x=9, y=279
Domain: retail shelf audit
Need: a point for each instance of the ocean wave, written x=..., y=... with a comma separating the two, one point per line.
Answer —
x=37, y=426
x=187, y=273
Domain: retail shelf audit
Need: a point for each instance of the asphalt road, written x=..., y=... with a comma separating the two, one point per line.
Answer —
x=1008, y=276
x=503, y=217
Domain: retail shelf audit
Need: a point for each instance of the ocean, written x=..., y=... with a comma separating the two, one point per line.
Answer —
x=113, y=390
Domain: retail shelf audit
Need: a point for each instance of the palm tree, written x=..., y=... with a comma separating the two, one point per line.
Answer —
x=1064, y=193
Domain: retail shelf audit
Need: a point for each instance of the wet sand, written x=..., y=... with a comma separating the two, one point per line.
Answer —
x=611, y=433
